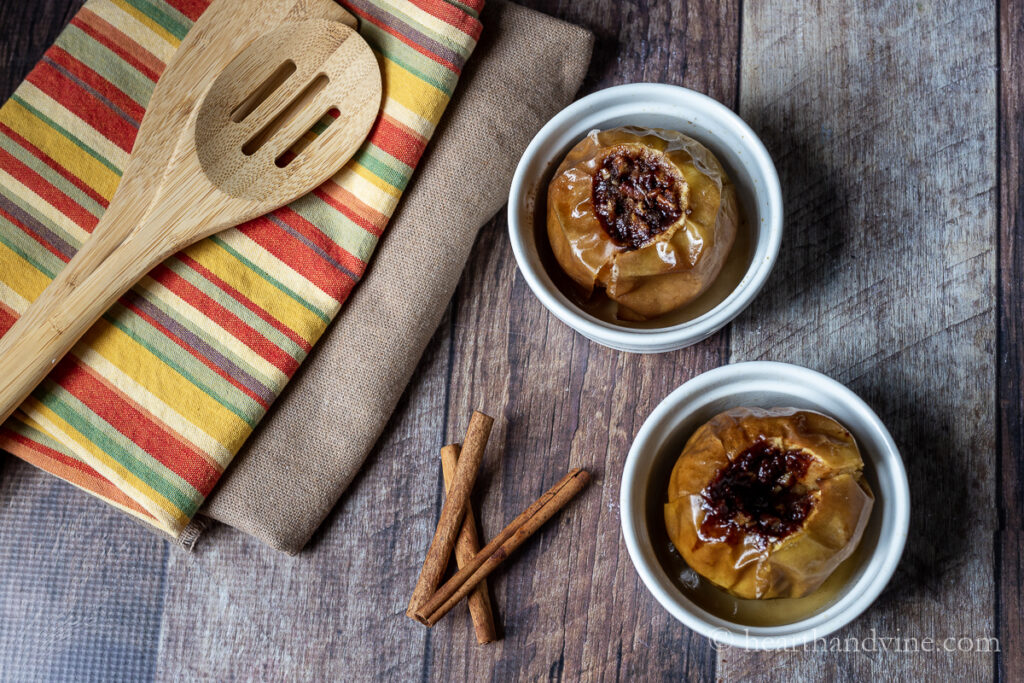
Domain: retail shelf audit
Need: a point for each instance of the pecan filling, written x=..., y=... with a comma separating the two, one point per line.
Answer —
x=636, y=197
x=757, y=494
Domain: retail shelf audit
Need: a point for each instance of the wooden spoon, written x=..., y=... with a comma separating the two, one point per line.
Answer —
x=221, y=32
x=228, y=164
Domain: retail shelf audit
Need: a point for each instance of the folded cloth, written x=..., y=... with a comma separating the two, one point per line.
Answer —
x=151, y=406
x=296, y=466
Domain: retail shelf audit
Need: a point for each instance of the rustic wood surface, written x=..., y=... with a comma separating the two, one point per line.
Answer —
x=896, y=128
x=887, y=284
x=1009, y=470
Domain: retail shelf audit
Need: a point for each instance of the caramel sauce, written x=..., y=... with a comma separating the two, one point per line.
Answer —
x=757, y=495
x=722, y=603
x=636, y=197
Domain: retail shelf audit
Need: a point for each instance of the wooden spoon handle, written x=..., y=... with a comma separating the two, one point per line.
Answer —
x=105, y=268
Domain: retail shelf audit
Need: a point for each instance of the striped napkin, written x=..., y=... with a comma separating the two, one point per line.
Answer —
x=150, y=407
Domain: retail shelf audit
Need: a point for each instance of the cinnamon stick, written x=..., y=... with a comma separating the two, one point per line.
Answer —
x=466, y=546
x=452, y=511
x=501, y=546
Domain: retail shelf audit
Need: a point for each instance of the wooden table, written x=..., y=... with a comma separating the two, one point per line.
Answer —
x=896, y=128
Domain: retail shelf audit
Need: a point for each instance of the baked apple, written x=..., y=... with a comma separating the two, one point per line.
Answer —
x=648, y=215
x=767, y=503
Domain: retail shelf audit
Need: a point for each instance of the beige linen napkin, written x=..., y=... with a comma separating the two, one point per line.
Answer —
x=305, y=453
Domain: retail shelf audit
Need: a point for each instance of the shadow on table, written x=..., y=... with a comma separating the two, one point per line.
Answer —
x=944, y=531
x=818, y=230
x=824, y=236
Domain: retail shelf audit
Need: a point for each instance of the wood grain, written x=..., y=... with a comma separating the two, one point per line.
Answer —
x=881, y=120
x=81, y=590
x=1009, y=558
x=26, y=30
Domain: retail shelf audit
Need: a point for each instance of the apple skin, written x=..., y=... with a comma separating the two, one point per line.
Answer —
x=677, y=265
x=752, y=566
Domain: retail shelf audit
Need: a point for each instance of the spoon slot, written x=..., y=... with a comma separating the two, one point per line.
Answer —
x=303, y=140
x=295, y=106
x=258, y=96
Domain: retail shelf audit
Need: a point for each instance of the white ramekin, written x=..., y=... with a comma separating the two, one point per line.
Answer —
x=766, y=384
x=659, y=106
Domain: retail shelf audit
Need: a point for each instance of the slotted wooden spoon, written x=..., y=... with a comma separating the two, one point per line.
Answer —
x=229, y=162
